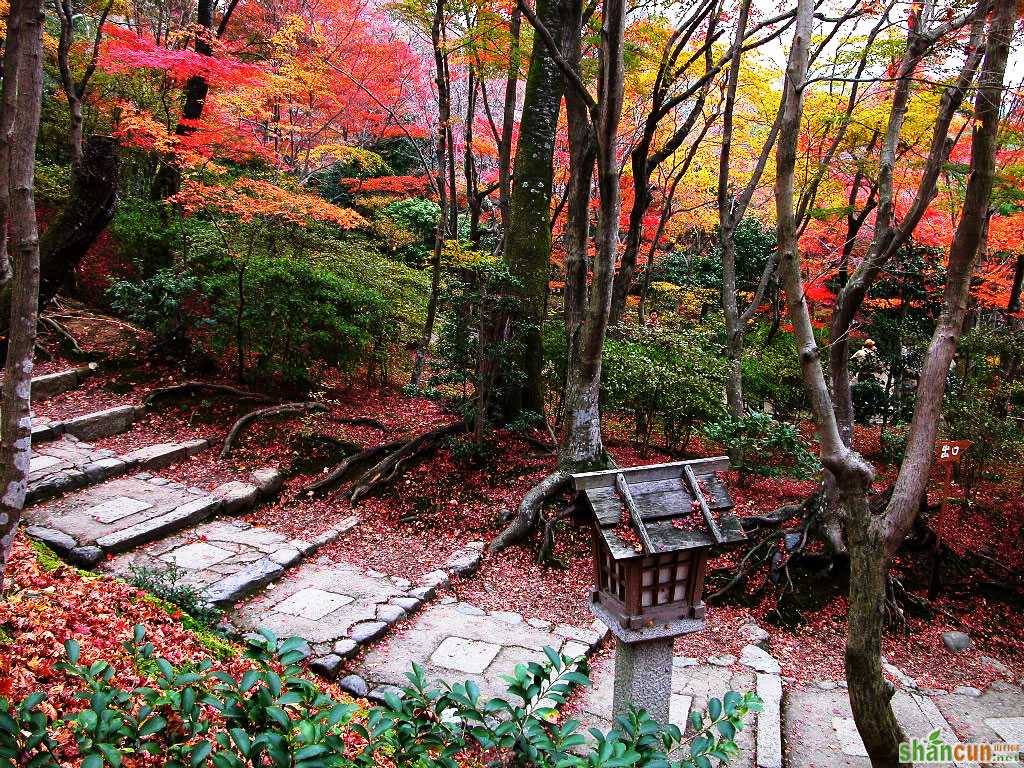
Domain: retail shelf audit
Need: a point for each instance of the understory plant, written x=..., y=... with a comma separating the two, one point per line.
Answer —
x=759, y=444
x=194, y=715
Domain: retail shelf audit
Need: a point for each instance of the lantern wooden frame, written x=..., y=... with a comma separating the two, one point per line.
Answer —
x=654, y=529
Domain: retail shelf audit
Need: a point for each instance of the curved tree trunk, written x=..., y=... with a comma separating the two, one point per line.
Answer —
x=94, y=187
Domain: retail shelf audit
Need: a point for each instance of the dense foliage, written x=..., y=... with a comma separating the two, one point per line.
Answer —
x=194, y=715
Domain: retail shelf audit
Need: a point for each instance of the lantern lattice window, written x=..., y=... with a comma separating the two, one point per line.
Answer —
x=654, y=529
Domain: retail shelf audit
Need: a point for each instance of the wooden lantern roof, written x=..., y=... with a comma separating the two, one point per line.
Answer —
x=651, y=509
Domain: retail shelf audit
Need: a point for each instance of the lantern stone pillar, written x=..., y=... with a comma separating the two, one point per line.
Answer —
x=643, y=678
x=643, y=663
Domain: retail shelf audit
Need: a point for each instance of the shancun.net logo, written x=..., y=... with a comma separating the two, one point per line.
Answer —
x=936, y=750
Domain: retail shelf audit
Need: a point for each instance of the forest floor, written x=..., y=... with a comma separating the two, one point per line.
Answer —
x=439, y=505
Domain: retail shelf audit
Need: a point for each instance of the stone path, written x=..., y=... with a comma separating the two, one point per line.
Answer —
x=227, y=559
x=89, y=503
x=69, y=463
x=456, y=641
x=338, y=607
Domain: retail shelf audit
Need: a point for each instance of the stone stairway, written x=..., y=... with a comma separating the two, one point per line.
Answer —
x=100, y=509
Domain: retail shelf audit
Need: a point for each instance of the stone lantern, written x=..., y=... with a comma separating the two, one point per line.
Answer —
x=654, y=529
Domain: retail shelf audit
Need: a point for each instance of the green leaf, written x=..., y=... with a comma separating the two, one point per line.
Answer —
x=74, y=652
x=200, y=752
x=242, y=740
x=151, y=726
x=92, y=760
x=714, y=708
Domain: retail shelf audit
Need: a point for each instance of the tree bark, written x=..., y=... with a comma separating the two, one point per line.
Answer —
x=8, y=109
x=528, y=241
x=16, y=417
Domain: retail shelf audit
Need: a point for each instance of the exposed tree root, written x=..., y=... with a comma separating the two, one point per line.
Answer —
x=274, y=411
x=343, y=470
x=395, y=461
x=528, y=516
x=67, y=341
x=192, y=388
x=773, y=546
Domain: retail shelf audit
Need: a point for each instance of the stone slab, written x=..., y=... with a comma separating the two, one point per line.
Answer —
x=463, y=655
x=281, y=611
x=229, y=559
x=53, y=384
x=973, y=717
x=91, y=426
x=769, y=722
x=145, y=511
x=313, y=603
x=454, y=645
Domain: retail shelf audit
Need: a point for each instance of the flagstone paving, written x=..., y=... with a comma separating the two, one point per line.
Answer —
x=69, y=463
x=456, y=641
x=226, y=559
x=820, y=729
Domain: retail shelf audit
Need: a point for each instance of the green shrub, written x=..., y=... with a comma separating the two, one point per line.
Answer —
x=761, y=445
x=771, y=372
x=870, y=400
x=157, y=304
x=666, y=379
x=168, y=584
x=293, y=314
x=272, y=716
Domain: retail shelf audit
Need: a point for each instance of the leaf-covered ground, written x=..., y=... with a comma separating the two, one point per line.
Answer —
x=445, y=502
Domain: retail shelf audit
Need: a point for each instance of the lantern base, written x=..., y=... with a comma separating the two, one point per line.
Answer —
x=647, y=634
x=643, y=678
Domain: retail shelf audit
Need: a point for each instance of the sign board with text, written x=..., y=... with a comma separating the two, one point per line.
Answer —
x=951, y=451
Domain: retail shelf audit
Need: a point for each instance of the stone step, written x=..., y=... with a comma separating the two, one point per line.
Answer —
x=455, y=641
x=126, y=512
x=225, y=559
x=820, y=729
x=88, y=426
x=68, y=464
x=338, y=607
x=52, y=384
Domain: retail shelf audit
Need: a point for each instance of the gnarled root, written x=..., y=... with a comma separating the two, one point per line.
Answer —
x=191, y=388
x=341, y=472
x=274, y=411
x=394, y=462
x=64, y=337
x=528, y=515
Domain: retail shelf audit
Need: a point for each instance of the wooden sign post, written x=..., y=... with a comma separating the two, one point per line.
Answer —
x=948, y=453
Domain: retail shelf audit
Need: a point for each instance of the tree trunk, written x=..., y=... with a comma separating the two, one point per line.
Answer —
x=507, y=126
x=528, y=241
x=870, y=692
x=8, y=109
x=444, y=195
x=16, y=417
x=582, y=446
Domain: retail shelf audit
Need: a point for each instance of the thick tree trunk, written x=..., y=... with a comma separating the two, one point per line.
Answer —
x=15, y=416
x=581, y=442
x=582, y=156
x=870, y=692
x=528, y=241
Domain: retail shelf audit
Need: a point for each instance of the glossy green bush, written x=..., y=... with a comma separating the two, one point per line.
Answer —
x=272, y=716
